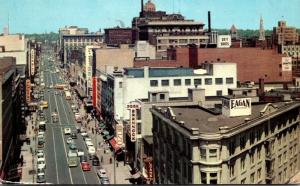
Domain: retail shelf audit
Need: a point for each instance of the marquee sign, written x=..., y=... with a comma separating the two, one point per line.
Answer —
x=132, y=107
x=119, y=134
x=28, y=89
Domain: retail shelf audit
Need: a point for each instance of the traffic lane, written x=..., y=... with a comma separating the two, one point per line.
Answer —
x=91, y=176
x=62, y=167
x=76, y=172
x=51, y=163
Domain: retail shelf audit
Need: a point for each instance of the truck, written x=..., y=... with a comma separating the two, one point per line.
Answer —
x=60, y=86
x=68, y=95
x=72, y=159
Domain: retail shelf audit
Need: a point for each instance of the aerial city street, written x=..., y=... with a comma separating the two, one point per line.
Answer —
x=192, y=92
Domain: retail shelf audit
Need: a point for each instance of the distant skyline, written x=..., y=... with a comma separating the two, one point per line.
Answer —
x=39, y=16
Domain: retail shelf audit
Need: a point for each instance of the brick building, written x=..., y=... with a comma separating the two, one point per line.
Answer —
x=283, y=35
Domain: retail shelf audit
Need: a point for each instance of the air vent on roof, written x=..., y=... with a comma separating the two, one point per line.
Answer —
x=181, y=123
x=247, y=119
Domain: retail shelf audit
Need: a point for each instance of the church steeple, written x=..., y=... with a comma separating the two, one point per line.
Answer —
x=261, y=30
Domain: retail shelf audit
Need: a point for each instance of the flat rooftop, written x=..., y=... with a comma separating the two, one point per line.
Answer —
x=207, y=122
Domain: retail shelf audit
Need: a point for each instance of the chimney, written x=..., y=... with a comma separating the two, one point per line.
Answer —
x=209, y=23
x=261, y=86
x=142, y=8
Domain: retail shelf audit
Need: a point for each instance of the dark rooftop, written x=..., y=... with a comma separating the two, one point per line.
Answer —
x=210, y=122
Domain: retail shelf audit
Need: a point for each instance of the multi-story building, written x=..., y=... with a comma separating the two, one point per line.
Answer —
x=117, y=36
x=8, y=125
x=284, y=35
x=167, y=30
x=120, y=88
x=242, y=144
x=73, y=41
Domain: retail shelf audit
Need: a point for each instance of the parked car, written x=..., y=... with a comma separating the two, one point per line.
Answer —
x=85, y=166
x=73, y=146
x=41, y=163
x=95, y=161
x=91, y=151
x=41, y=178
x=84, y=134
x=104, y=180
x=101, y=173
x=70, y=140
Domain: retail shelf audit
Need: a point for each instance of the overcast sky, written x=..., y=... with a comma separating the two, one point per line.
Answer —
x=38, y=16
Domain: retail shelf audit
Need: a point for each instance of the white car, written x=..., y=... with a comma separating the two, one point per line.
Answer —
x=40, y=151
x=80, y=152
x=89, y=144
x=69, y=140
x=67, y=131
x=91, y=150
x=83, y=134
x=41, y=163
x=101, y=173
x=87, y=139
x=41, y=155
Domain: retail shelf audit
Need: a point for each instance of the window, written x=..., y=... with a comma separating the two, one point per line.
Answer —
x=162, y=96
x=213, y=178
x=197, y=82
x=139, y=128
x=219, y=92
x=219, y=81
x=120, y=84
x=164, y=82
x=177, y=82
x=213, y=154
x=258, y=134
x=243, y=181
x=231, y=147
x=258, y=153
x=187, y=81
x=242, y=142
x=229, y=80
x=208, y=81
x=252, y=137
x=252, y=158
x=203, y=178
x=252, y=177
x=259, y=174
x=243, y=163
x=203, y=154
x=231, y=169
x=279, y=159
x=153, y=83
x=284, y=156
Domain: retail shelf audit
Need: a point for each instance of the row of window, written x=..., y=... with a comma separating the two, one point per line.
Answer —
x=188, y=82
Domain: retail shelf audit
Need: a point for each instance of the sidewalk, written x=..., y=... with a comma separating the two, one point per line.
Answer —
x=121, y=170
x=28, y=152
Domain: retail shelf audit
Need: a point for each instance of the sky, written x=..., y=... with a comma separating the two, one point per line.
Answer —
x=39, y=16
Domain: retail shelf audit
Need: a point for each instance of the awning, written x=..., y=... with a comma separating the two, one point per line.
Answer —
x=105, y=133
x=114, y=144
x=80, y=91
x=102, y=126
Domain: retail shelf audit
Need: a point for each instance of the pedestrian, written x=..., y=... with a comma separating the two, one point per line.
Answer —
x=101, y=159
x=110, y=160
x=117, y=164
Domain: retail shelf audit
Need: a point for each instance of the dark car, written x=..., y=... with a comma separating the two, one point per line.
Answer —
x=73, y=135
x=95, y=161
x=83, y=159
x=41, y=178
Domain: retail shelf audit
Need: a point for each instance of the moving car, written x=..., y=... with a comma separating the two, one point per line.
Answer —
x=85, y=166
x=67, y=131
x=72, y=158
x=80, y=152
x=73, y=146
x=73, y=135
x=84, y=134
x=91, y=150
x=69, y=140
x=104, y=180
x=41, y=163
x=101, y=173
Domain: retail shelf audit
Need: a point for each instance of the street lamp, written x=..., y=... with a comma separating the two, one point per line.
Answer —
x=95, y=133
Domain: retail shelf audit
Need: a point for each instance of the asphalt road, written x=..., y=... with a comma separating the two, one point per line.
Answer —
x=56, y=148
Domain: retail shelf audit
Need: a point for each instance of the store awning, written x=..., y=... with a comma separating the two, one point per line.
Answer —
x=114, y=144
x=80, y=91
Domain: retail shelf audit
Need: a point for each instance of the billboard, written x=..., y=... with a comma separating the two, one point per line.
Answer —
x=236, y=107
x=286, y=63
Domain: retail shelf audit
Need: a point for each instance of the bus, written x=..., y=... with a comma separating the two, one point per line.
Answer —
x=60, y=86
x=68, y=95
x=72, y=159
